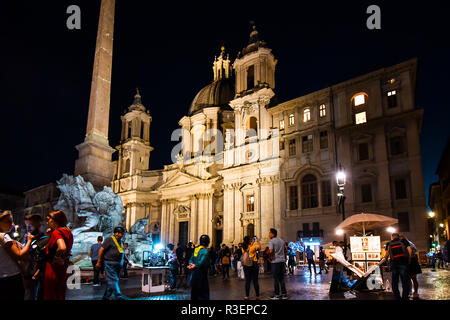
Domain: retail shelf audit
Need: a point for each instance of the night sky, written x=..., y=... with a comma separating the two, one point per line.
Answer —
x=167, y=50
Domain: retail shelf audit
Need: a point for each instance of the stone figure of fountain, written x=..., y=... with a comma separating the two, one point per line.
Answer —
x=92, y=213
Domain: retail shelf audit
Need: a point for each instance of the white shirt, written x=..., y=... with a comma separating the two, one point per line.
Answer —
x=8, y=267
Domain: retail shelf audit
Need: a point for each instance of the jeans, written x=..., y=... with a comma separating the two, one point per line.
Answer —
x=251, y=274
x=112, y=270
x=226, y=271
x=173, y=277
x=96, y=272
x=125, y=269
x=278, y=271
x=313, y=263
x=400, y=271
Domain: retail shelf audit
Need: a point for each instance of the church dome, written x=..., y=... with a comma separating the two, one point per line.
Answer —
x=215, y=94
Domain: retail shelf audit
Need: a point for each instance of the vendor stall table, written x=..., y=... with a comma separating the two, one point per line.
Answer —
x=153, y=279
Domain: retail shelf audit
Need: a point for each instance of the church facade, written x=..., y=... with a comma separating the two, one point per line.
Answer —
x=247, y=163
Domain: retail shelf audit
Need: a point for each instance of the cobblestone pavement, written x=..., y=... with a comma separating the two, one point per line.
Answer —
x=432, y=286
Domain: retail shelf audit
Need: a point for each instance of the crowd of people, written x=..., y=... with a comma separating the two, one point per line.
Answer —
x=36, y=268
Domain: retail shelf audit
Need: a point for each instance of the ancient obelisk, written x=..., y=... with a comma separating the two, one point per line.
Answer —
x=94, y=154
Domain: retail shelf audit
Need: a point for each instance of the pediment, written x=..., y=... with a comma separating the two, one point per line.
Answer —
x=179, y=179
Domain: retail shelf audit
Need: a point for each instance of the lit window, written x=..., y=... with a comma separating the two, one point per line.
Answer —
x=291, y=119
x=360, y=117
x=360, y=99
x=392, y=99
x=281, y=124
x=391, y=93
x=306, y=115
x=250, y=203
x=391, y=81
x=322, y=110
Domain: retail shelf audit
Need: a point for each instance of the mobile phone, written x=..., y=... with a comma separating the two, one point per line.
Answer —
x=255, y=238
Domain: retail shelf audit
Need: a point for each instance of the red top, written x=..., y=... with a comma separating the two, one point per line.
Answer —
x=60, y=233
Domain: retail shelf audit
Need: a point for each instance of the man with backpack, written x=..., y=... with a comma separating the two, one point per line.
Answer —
x=399, y=251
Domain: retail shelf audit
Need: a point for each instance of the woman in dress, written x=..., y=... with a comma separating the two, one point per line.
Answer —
x=198, y=264
x=57, y=253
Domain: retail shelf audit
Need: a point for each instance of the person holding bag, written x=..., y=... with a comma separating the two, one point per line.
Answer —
x=11, y=252
x=250, y=263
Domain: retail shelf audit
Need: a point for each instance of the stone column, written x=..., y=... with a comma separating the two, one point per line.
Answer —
x=209, y=223
x=193, y=221
x=238, y=236
x=163, y=231
x=267, y=207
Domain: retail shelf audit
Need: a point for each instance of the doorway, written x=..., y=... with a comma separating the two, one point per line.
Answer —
x=218, y=239
x=183, y=233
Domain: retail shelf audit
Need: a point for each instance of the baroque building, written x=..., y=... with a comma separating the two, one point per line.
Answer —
x=247, y=163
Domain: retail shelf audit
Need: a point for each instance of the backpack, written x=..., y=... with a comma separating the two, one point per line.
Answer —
x=225, y=260
x=246, y=261
x=397, y=250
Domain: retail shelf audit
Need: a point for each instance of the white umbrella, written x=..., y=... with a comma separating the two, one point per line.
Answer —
x=366, y=221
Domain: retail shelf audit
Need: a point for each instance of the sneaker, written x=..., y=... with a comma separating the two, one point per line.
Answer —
x=275, y=297
x=97, y=285
x=415, y=295
x=284, y=297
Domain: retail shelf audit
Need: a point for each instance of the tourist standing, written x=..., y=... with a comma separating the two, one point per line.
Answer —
x=198, y=264
x=413, y=269
x=11, y=282
x=338, y=281
x=322, y=261
x=291, y=260
x=58, y=253
x=250, y=264
x=95, y=248
x=311, y=261
x=212, y=261
x=126, y=261
x=187, y=258
x=34, y=290
x=440, y=258
x=400, y=252
x=278, y=267
x=267, y=261
x=173, y=266
x=225, y=260
x=180, y=252
x=112, y=254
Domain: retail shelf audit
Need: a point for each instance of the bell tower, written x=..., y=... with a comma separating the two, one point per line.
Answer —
x=254, y=66
x=134, y=148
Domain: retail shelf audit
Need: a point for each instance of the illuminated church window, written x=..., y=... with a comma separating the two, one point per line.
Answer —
x=359, y=100
x=360, y=118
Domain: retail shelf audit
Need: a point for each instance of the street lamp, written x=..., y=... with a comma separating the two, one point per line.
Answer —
x=431, y=214
x=390, y=229
x=340, y=181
